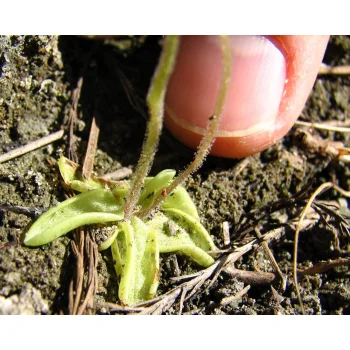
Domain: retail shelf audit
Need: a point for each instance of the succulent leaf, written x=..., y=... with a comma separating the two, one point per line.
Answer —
x=177, y=239
x=199, y=235
x=136, y=253
x=97, y=206
x=154, y=186
x=181, y=200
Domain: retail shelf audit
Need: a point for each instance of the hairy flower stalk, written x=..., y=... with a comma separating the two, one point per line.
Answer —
x=155, y=101
x=210, y=132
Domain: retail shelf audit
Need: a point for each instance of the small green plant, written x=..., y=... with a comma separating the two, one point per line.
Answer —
x=147, y=215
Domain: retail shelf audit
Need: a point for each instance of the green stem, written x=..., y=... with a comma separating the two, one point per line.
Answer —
x=155, y=101
x=210, y=132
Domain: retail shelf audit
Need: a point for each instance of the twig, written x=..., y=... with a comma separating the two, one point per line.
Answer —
x=31, y=146
x=118, y=174
x=77, y=306
x=77, y=303
x=163, y=304
x=73, y=120
x=340, y=123
x=91, y=150
x=76, y=285
x=226, y=234
x=272, y=260
x=323, y=126
x=323, y=207
x=186, y=277
x=336, y=70
x=324, y=187
x=79, y=300
x=230, y=299
x=182, y=298
x=83, y=242
x=240, y=167
x=92, y=255
x=31, y=212
x=221, y=264
x=250, y=277
x=120, y=308
x=324, y=266
x=335, y=150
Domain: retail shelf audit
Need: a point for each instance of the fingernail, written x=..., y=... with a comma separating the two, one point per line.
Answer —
x=257, y=84
x=258, y=76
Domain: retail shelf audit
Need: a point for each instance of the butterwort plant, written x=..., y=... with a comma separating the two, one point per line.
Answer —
x=144, y=216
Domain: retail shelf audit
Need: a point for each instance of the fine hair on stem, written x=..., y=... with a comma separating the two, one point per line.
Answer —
x=210, y=132
x=155, y=101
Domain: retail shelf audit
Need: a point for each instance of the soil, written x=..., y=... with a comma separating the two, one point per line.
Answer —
x=37, y=77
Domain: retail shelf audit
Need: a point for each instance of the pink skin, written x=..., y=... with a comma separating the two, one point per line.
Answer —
x=271, y=79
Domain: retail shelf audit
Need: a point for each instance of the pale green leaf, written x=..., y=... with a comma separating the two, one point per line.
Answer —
x=176, y=239
x=136, y=256
x=154, y=186
x=97, y=206
x=181, y=200
x=193, y=227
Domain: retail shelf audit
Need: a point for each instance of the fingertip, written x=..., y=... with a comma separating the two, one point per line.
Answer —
x=270, y=82
x=303, y=55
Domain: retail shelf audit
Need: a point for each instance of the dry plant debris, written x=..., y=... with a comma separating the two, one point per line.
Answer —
x=324, y=187
x=31, y=146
